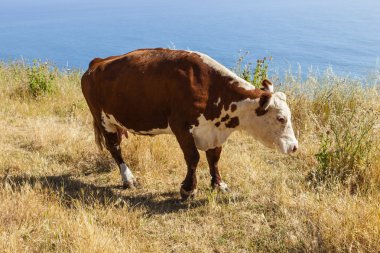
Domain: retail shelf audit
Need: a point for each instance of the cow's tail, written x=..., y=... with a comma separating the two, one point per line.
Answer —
x=87, y=90
x=99, y=138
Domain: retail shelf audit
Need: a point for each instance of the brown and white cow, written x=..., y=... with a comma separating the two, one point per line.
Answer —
x=185, y=93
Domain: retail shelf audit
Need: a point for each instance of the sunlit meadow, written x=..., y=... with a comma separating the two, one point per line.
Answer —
x=58, y=193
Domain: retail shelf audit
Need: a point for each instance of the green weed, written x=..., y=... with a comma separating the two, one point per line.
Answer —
x=254, y=75
x=346, y=149
x=40, y=79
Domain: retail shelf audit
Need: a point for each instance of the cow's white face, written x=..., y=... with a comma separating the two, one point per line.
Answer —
x=273, y=127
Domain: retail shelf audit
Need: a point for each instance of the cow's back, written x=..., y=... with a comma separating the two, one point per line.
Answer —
x=144, y=88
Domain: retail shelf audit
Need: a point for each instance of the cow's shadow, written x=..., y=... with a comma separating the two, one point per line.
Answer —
x=72, y=191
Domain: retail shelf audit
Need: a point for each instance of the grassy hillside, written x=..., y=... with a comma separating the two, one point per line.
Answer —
x=59, y=193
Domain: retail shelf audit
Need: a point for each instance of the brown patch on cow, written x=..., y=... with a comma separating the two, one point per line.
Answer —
x=266, y=85
x=225, y=118
x=217, y=124
x=260, y=111
x=233, y=107
x=264, y=99
x=233, y=122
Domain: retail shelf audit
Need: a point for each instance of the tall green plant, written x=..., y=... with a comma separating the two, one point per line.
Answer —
x=261, y=71
x=40, y=79
x=254, y=75
x=344, y=156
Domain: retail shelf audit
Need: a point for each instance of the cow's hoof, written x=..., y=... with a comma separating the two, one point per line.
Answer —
x=130, y=184
x=185, y=195
x=222, y=187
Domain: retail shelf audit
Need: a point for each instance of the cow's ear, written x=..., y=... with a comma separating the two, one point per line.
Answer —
x=267, y=85
x=264, y=103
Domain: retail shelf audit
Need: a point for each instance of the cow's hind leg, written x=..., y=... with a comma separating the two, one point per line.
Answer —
x=213, y=156
x=112, y=141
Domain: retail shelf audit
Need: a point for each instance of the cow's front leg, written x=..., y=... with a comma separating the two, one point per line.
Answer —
x=213, y=156
x=190, y=152
x=113, y=141
x=189, y=185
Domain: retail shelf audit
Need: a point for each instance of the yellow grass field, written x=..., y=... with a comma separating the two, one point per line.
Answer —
x=58, y=193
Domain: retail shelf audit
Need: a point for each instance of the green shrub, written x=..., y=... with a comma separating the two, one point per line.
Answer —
x=346, y=150
x=253, y=75
x=261, y=71
x=40, y=79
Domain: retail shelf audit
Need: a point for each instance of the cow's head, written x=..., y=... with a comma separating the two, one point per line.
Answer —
x=271, y=123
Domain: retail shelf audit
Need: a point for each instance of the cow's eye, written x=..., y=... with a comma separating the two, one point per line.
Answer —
x=281, y=119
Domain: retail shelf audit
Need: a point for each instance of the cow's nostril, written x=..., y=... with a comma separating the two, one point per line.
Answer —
x=294, y=148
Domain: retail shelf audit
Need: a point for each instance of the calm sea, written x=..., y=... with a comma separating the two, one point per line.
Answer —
x=344, y=34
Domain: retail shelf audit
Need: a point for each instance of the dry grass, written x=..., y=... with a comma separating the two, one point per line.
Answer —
x=58, y=193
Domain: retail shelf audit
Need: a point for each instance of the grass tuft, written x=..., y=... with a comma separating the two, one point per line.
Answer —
x=347, y=150
x=41, y=79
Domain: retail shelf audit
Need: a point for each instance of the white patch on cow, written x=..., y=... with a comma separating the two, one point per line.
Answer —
x=270, y=88
x=218, y=101
x=126, y=174
x=207, y=135
x=223, y=187
x=224, y=71
x=110, y=124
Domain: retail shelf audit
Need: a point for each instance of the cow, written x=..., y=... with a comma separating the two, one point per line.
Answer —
x=185, y=93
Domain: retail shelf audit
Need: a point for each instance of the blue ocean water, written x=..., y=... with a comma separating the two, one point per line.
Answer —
x=344, y=34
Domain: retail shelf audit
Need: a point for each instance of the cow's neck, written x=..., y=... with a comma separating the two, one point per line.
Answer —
x=227, y=112
x=245, y=101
